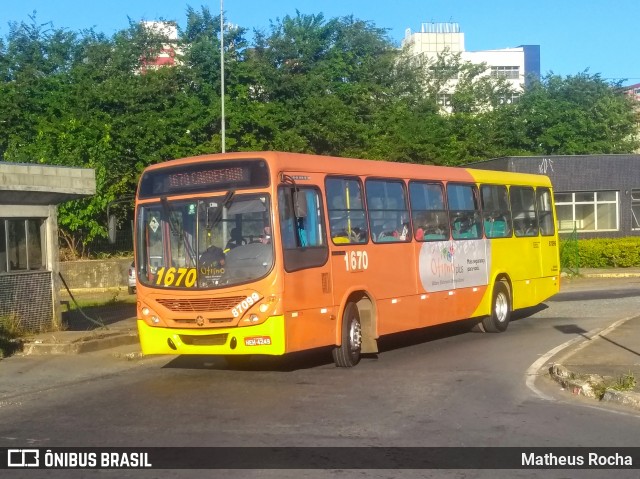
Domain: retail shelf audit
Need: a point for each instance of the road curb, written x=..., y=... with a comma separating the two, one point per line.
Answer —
x=82, y=345
x=586, y=385
x=625, y=398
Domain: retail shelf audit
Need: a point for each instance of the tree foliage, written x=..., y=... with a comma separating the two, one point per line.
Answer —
x=334, y=86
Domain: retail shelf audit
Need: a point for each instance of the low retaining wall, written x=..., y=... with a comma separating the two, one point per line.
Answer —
x=95, y=274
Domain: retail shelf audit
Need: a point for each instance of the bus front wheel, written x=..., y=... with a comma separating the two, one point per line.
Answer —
x=347, y=354
x=498, y=320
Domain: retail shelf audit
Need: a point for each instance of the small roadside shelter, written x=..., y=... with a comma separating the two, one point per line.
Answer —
x=29, y=195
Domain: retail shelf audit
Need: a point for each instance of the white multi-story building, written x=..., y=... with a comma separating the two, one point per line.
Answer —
x=167, y=56
x=516, y=65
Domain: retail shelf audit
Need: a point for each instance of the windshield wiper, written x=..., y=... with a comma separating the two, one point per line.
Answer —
x=226, y=202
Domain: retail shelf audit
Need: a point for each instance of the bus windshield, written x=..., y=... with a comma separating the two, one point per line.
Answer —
x=210, y=242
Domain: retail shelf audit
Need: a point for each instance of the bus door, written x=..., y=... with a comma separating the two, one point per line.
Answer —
x=549, y=241
x=308, y=302
x=526, y=251
x=470, y=252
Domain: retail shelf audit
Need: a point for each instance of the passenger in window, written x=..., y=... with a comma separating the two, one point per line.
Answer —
x=235, y=240
x=265, y=238
x=357, y=235
x=213, y=256
x=403, y=234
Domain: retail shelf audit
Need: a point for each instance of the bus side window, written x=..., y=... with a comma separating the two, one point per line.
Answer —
x=464, y=211
x=430, y=219
x=347, y=221
x=496, y=214
x=388, y=212
x=523, y=207
x=545, y=211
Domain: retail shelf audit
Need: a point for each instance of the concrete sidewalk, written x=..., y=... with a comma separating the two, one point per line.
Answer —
x=604, y=366
x=118, y=333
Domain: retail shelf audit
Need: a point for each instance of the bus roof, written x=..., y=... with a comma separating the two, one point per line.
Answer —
x=300, y=162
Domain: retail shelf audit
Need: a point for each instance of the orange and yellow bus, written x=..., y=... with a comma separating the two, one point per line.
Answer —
x=268, y=253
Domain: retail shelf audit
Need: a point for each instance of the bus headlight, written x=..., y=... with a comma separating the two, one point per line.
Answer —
x=150, y=315
x=253, y=318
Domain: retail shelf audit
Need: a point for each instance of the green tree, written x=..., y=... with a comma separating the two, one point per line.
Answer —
x=322, y=83
x=337, y=87
x=577, y=114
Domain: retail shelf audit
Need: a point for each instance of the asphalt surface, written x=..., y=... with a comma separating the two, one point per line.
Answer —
x=603, y=364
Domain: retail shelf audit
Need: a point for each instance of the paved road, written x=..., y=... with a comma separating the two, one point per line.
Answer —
x=442, y=387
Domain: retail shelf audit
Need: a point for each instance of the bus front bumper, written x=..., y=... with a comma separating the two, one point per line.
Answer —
x=266, y=338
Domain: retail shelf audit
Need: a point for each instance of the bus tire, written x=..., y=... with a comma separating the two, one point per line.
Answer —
x=498, y=320
x=347, y=354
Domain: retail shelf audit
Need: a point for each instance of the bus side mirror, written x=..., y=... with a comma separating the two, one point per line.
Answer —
x=111, y=225
x=300, y=204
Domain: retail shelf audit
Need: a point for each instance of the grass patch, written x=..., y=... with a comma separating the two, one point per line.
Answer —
x=624, y=382
x=11, y=334
x=99, y=300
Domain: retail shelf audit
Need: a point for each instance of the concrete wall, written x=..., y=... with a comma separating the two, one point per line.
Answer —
x=95, y=274
x=47, y=178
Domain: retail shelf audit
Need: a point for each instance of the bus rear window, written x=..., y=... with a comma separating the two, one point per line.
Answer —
x=207, y=176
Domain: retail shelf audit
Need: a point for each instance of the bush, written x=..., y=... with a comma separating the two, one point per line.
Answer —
x=601, y=252
x=11, y=331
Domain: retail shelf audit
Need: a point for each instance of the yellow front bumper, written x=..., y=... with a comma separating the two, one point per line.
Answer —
x=265, y=338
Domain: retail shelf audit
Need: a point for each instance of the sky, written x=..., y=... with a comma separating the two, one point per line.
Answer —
x=574, y=35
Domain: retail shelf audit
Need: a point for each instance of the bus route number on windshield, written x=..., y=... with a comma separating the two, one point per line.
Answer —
x=176, y=277
x=356, y=261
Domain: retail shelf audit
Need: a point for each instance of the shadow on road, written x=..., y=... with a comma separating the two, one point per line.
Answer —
x=322, y=356
x=92, y=317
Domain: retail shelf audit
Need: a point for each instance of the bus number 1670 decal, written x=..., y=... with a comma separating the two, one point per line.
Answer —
x=356, y=261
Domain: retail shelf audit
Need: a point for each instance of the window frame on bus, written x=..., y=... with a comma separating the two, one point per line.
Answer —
x=355, y=238
x=520, y=227
x=298, y=256
x=546, y=214
x=455, y=214
x=493, y=216
x=401, y=231
x=427, y=230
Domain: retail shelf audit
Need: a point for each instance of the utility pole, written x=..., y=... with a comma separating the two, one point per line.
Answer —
x=222, y=130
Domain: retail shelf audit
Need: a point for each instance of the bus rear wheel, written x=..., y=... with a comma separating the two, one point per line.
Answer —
x=347, y=354
x=498, y=320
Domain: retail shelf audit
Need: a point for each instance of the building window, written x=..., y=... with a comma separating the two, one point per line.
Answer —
x=21, y=244
x=444, y=100
x=509, y=99
x=635, y=209
x=443, y=73
x=511, y=73
x=587, y=211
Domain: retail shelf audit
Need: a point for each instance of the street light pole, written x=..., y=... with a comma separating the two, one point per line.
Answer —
x=222, y=74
